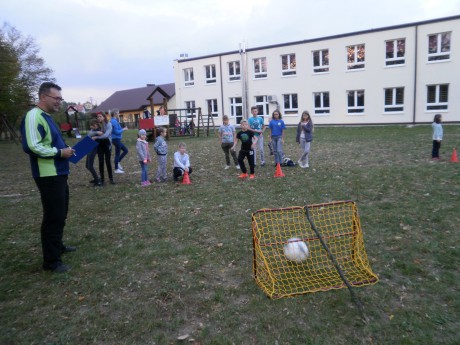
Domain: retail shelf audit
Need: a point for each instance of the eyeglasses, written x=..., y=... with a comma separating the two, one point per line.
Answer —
x=59, y=99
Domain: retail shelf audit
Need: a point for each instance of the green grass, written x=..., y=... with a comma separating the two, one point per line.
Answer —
x=159, y=262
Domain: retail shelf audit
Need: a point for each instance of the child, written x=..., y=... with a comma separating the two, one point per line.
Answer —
x=437, y=136
x=227, y=135
x=93, y=132
x=276, y=136
x=304, y=137
x=256, y=125
x=142, y=148
x=181, y=162
x=161, y=148
x=248, y=142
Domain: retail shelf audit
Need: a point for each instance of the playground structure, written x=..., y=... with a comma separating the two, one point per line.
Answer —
x=179, y=122
x=336, y=238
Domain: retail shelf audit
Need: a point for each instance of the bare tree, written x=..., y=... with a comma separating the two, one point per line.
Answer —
x=22, y=71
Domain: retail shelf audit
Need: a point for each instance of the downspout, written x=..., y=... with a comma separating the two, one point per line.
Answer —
x=415, y=77
x=244, y=80
x=221, y=85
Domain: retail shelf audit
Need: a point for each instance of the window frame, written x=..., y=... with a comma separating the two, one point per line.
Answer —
x=235, y=66
x=262, y=62
x=321, y=68
x=290, y=68
x=214, y=106
x=322, y=109
x=212, y=70
x=189, y=78
x=291, y=99
x=356, y=108
x=234, y=106
x=395, y=61
x=356, y=64
x=439, y=55
x=437, y=105
x=394, y=106
x=189, y=105
x=261, y=102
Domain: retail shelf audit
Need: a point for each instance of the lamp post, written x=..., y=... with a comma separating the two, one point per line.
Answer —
x=242, y=50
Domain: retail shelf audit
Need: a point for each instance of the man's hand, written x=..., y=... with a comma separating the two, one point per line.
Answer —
x=67, y=152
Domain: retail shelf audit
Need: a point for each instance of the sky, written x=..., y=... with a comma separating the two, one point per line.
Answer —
x=97, y=47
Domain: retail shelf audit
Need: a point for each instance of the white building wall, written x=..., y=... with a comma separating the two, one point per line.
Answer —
x=443, y=72
x=414, y=76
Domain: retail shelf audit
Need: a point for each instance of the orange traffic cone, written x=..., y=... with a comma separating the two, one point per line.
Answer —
x=186, y=179
x=454, y=157
x=278, y=172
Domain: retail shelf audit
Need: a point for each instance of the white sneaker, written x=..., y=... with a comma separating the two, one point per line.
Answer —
x=237, y=167
x=227, y=167
x=306, y=166
x=119, y=171
x=120, y=167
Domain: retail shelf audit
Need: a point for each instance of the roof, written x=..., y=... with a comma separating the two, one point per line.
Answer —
x=138, y=98
x=325, y=38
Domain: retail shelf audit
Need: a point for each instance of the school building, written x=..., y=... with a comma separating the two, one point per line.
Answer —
x=403, y=74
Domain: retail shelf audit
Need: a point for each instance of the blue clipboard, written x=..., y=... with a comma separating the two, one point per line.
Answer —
x=82, y=148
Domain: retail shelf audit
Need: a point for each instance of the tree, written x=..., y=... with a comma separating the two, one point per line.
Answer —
x=21, y=73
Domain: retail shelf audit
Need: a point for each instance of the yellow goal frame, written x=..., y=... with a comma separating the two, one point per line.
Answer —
x=339, y=226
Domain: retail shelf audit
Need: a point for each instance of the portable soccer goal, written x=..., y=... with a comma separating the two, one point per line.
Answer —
x=332, y=232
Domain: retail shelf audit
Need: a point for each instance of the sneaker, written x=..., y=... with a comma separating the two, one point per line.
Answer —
x=262, y=164
x=237, y=167
x=243, y=175
x=119, y=171
x=306, y=166
x=158, y=180
x=60, y=268
x=227, y=167
x=120, y=167
x=252, y=177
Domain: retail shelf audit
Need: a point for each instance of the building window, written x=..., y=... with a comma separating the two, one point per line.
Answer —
x=190, y=112
x=236, y=108
x=394, y=99
x=188, y=77
x=437, y=97
x=321, y=61
x=260, y=68
x=356, y=56
x=210, y=74
x=321, y=102
x=288, y=64
x=234, y=72
x=395, y=52
x=212, y=107
x=261, y=102
x=356, y=102
x=290, y=104
x=439, y=47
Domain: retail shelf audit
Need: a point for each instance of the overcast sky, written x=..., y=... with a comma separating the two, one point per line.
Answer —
x=97, y=47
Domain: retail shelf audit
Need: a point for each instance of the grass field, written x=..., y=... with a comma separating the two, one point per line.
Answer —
x=156, y=264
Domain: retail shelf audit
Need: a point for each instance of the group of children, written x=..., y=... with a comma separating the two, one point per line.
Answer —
x=251, y=136
x=181, y=158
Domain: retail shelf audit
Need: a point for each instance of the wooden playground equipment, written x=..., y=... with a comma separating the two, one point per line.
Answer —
x=179, y=122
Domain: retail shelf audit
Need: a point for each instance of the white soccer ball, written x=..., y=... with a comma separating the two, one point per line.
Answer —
x=296, y=250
